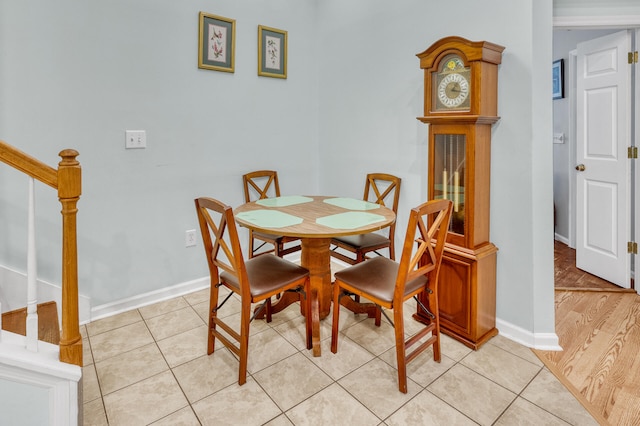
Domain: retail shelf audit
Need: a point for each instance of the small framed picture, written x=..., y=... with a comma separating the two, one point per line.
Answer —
x=216, y=43
x=558, y=79
x=272, y=52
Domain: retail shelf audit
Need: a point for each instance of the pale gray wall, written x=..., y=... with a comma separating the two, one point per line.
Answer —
x=77, y=74
x=18, y=402
x=372, y=92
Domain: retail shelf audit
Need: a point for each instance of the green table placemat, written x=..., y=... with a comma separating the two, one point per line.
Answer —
x=349, y=220
x=352, y=203
x=288, y=200
x=269, y=218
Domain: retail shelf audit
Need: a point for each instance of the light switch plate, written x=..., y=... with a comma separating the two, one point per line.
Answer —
x=135, y=139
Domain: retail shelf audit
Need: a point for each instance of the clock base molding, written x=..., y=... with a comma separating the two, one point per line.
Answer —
x=475, y=345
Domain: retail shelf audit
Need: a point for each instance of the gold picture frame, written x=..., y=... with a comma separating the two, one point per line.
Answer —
x=272, y=52
x=216, y=42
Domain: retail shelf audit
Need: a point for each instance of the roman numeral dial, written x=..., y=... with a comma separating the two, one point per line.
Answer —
x=453, y=90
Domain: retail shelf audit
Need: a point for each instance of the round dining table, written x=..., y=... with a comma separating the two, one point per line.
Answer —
x=315, y=220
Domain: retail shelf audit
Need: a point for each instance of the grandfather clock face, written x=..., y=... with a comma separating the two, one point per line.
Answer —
x=451, y=85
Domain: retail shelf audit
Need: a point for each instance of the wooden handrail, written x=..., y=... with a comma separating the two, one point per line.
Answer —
x=27, y=164
x=67, y=180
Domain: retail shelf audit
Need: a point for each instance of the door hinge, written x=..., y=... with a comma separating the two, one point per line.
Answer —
x=632, y=247
x=632, y=152
x=633, y=57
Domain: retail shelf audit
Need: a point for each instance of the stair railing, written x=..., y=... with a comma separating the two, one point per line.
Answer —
x=67, y=181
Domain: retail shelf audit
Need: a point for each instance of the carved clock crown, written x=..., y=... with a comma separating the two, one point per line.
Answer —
x=480, y=60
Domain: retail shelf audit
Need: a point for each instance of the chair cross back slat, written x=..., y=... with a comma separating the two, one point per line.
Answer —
x=215, y=240
x=424, y=258
x=380, y=197
x=253, y=181
x=259, y=185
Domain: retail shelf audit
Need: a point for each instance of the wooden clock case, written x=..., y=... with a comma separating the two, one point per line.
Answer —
x=467, y=280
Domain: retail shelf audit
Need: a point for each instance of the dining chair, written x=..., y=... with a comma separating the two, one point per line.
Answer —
x=383, y=189
x=254, y=280
x=259, y=185
x=389, y=284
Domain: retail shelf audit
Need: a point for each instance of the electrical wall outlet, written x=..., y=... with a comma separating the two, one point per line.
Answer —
x=135, y=139
x=190, y=238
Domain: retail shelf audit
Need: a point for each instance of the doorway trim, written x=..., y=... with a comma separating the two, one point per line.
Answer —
x=601, y=22
x=595, y=22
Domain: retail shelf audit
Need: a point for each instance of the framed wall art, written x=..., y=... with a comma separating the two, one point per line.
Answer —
x=272, y=52
x=216, y=43
x=558, y=79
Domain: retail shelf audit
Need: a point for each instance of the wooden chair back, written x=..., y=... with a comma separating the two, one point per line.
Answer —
x=256, y=280
x=260, y=184
x=384, y=189
x=220, y=240
x=423, y=245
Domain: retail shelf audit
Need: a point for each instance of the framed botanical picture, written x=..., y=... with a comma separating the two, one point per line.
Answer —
x=558, y=79
x=216, y=43
x=272, y=52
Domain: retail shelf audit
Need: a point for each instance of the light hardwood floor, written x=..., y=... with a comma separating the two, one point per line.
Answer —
x=600, y=334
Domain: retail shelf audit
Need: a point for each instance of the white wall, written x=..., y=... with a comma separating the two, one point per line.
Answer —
x=18, y=402
x=372, y=92
x=76, y=74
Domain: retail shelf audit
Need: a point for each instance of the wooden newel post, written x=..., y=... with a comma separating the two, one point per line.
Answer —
x=69, y=190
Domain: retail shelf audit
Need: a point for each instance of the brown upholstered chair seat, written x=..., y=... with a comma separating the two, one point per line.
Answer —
x=366, y=242
x=267, y=275
x=380, y=275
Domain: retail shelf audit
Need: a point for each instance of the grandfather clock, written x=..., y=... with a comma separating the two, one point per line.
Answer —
x=460, y=106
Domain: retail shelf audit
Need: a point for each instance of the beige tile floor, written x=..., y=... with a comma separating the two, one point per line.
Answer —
x=149, y=366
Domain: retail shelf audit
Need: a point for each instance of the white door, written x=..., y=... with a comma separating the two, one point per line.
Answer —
x=602, y=169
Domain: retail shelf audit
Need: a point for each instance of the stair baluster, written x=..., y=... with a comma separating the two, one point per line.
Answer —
x=32, y=289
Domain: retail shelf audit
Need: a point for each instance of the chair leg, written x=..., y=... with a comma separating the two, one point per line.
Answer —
x=400, y=348
x=267, y=308
x=378, y=319
x=308, y=314
x=433, y=303
x=250, y=244
x=213, y=303
x=437, y=356
x=336, y=317
x=245, y=318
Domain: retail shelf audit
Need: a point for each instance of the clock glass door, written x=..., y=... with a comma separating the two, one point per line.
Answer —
x=449, y=175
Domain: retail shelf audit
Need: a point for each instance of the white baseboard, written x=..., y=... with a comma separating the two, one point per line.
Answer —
x=134, y=302
x=541, y=341
x=562, y=239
